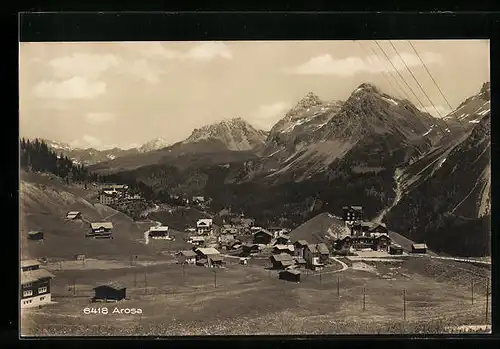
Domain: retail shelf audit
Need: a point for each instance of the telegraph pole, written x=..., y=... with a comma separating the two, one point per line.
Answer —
x=135, y=278
x=364, y=299
x=487, y=298
x=215, y=278
x=472, y=292
x=145, y=283
x=74, y=286
x=320, y=275
x=404, y=303
x=338, y=286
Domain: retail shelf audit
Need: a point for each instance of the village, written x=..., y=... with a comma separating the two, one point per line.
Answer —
x=236, y=239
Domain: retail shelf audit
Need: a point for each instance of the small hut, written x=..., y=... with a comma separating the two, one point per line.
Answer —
x=419, y=248
x=395, y=250
x=290, y=275
x=111, y=292
x=35, y=235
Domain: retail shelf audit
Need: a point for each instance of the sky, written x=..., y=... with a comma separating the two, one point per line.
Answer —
x=124, y=94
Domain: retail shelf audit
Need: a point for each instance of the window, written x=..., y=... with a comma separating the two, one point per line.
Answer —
x=27, y=285
x=28, y=293
x=42, y=289
x=42, y=298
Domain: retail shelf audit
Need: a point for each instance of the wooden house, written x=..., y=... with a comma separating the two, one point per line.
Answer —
x=100, y=230
x=282, y=261
x=299, y=247
x=419, y=248
x=196, y=240
x=289, y=249
x=352, y=213
x=160, y=232
x=282, y=240
x=35, y=284
x=292, y=275
x=313, y=257
x=110, y=292
x=262, y=237
x=107, y=197
x=204, y=226
x=186, y=257
x=300, y=262
x=381, y=242
x=324, y=253
x=208, y=256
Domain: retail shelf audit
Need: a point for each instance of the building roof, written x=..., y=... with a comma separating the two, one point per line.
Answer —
x=73, y=213
x=34, y=275
x=300, y=260
x=419, y=246
x=396, y=246
x=285, y=247
x=291, y=271
x=204, y=222
x=197, y=238
x=301, y=243
x=287, y=263
x=282, y=257
x=322, y=248
x=160, y=228
x=105, y=225
x=109, y=192
x=113, y=284
x=187, y=253
x=202, y=261
x=207, y=251
x=284, y=236
x=29, y=262
x=312, y=247
x=34, y=232
x=263, y=231
x=216, y=258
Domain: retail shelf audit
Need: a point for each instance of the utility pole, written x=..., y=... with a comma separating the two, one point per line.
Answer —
x=145, y=283
x=183, y=270
x=320, y=275
x=215, y=278
x=74, y=286
x=472, y=292
x=135, y=278
x=487, y=298
x=404, y=303
x=338, y=286
x=364, y=299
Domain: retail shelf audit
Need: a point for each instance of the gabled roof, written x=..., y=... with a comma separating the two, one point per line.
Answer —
x=292, y=271
x=34, y=275
x=282, y=257
x=322, y=248
x=29, y=263
x=207, y=251
x=197, y=238
x=260, y=231
x=301, y=243
x=285, y=247
x=160, y=228
x=187, y=253
x=419, y=246
x=73, y=213
x=98, y=225
x=216, y=258
x=204, y=222
x=34, y=232
x=113, y=284
x=313, y=248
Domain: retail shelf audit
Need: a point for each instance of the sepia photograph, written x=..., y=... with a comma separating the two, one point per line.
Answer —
x=207, y=188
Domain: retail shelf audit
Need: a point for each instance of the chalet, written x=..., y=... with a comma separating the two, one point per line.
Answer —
x=378, y=229
x=345, y=243
x=262, y=237
x=100, y=230
x=290, y=275
x=208, y=256
x=204, y=226
x=282, y=261
x=282, y=240
x=419, y=248
x=249, y=249
x=196, y=240
x=73, y=215
x=160, y=232
x=226, y=237
x=110, y=292
x=381, y=242
x=352, y=213
x=35, y=284
x=395, y=249
x=313, y=256
x=35, y=235
x=186, y=257
x=289, y=249
x=299, y=247
x=107, y=197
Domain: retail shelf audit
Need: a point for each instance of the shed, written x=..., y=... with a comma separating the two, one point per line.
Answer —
x=80, y=257
x=35, y=235
x=186, y=257
x=290, y=275
x=281, y=261
x=112, y=292
x=395, y=249
x=73, y=215
x=419, y=248
x=262, y=237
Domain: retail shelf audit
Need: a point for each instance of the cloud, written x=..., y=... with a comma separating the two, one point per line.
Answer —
x=83, y=64
x=267, y=115
x=143, y=70
x=209, y=50
x=74, y=88
x=99, y=118
x=328, y=65
x=86, y=142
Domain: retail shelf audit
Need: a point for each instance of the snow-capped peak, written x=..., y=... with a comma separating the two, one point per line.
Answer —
x=235, y=133
x=154, y=144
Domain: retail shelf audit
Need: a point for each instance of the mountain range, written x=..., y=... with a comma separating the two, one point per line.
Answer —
x=427, y=178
